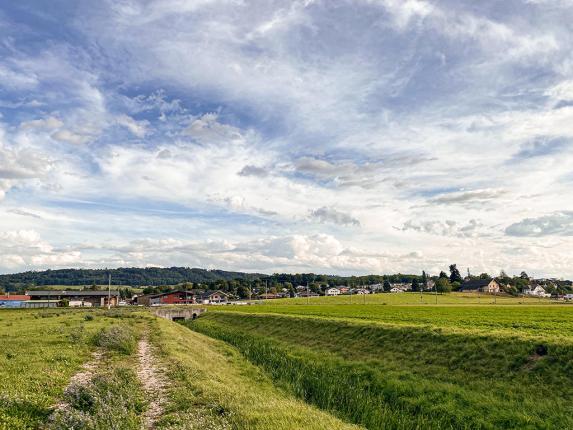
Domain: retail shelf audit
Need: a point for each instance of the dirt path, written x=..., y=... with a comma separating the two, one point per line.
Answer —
x=153, y=383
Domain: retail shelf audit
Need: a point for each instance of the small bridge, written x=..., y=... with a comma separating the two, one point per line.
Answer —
x=179, y=314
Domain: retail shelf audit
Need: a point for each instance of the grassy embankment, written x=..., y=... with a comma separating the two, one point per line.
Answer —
x=414, y=367
x=214, y=387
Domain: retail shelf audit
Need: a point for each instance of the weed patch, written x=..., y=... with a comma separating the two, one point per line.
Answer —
x=118, y=337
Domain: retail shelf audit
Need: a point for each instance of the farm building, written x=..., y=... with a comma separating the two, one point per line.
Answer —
x=13, y=301
x=481, y=285
x=77, y=298
x=181, y=297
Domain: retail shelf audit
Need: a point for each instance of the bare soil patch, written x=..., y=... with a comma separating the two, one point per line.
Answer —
x=153, y=382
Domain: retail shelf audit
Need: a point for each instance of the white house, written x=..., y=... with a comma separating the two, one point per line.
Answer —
x=568, y=296
x=362, y=291
x=332, y=291
x=396, y=290
x=537, y=291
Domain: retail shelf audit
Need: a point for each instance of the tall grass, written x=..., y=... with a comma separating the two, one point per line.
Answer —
x=404, y=378
x=118, y=337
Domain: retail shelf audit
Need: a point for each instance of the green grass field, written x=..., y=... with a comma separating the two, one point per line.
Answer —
x=406, y=366
x=411, y=299
x=287, y=365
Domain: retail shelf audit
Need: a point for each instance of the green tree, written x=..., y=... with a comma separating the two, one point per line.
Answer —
x=415, y=285
x=455, y=275
x=387, y=286
x=424, y=280
x=243, y=292
x=443, y=285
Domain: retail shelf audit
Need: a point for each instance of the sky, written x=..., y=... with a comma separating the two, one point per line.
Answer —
x=341, y=137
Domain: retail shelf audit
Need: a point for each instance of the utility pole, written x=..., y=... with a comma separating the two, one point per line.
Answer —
x=109, y=291
x=307, y=294
x=266, y=295
x=436, y=290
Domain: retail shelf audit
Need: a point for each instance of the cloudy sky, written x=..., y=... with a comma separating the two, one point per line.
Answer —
x=351, y=136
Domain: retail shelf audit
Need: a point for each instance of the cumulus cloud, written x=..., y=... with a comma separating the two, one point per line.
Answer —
x=211, y=118
x=559, y=224
x=137, y=128
x=471, y=196
x=473, y=228
x=25, y=249
x=250, y=170
x=331, y=215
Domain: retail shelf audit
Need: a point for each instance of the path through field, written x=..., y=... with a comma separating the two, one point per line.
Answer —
x=153, y=383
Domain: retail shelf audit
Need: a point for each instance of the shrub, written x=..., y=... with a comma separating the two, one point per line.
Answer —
x=77, y=336
x=119, y=338
x=89, y=317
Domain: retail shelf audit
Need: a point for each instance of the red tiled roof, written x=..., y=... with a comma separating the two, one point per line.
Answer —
x=15, y=297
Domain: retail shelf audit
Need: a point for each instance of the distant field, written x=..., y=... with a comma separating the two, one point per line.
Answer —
x=413, y=299
x=407, y=367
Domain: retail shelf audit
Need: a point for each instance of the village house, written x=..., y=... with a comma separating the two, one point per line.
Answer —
x=78, y=298
x=332, y=291
x=536, y=290
x=402, y=286
x=343, y=289
x=377, y=287
x=480, y=285
x=396, y=290
x=362, y=291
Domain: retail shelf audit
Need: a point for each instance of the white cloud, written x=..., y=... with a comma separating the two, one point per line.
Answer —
x=137, y=128
x=223, y=125
x=559, y=223
x=331, y=215
x=25, y=249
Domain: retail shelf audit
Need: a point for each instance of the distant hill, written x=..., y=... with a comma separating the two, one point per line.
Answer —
x=123, y=276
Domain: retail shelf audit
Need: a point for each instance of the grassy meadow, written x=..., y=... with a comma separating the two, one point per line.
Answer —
x=461, y=365
x=286, y=365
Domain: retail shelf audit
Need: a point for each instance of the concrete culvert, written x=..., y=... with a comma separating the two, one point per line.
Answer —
x=194, y=316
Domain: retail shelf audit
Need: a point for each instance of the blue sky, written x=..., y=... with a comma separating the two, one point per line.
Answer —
x=364, y=136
